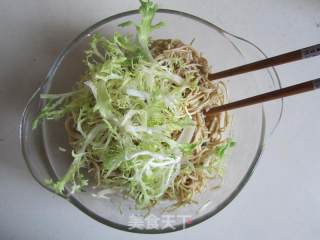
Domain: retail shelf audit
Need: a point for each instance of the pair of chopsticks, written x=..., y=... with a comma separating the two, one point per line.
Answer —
x=300, y=54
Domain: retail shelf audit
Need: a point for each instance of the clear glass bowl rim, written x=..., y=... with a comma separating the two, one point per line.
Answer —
x=56, y=65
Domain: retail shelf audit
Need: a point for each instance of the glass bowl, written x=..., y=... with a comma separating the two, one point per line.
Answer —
x=250, y=128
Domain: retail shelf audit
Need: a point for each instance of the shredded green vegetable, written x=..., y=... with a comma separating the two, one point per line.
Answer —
x=124, y=120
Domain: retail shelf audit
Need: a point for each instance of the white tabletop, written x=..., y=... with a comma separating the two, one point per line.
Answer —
x=281, y=200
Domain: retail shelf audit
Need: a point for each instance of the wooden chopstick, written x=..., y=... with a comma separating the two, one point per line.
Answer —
x=273, y=61
x=284, y=92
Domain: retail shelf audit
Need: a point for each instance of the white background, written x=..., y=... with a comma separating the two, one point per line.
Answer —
x=281, y=200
